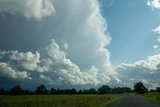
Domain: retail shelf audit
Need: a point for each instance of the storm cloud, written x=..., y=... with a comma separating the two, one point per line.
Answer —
x=67, y=47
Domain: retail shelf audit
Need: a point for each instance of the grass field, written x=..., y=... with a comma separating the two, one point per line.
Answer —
x=152, y=96
x=57, y=100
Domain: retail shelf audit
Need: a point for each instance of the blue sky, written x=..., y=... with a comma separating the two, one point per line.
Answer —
x=130, y=24
x=82, y=43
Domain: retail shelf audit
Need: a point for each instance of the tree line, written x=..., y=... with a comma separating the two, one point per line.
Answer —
x=105, y=89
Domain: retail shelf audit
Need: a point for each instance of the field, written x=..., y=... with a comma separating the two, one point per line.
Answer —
x=57, y=100
x=152, y=96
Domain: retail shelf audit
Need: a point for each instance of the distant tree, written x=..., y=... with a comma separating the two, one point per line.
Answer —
x=58, y=91
x=140, y=88
x=26, y=92
x=152, y=90
x=85, y=91
x=80, y=92
x=16, y=90
x=118, y=90
x=92, y=91
x=73, y=91
x=53, y=91
x=158, y=89
x=67, y=91
x=105, y=89
x=41, y=90
x=2, y=91
x=127, y=89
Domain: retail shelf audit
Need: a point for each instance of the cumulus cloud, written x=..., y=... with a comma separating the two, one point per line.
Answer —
x=157, y=29
x=27, y=61
x=7, y=71
x=146, y=71
x=78, y=54
x=45, y=79
x=23, y=61
x=28, y=8
x=54, y=64
x=154, y=3
x=60, y=65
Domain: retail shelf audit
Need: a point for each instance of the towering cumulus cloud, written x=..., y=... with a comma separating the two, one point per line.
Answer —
x=77, y=53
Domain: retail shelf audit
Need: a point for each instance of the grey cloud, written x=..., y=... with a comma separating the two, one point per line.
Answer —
x=7, y=71
x=45, y=79
x=23, y=61
x=27, y=61
x=28, y=8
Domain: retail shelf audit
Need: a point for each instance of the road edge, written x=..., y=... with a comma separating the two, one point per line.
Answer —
x=112, y=101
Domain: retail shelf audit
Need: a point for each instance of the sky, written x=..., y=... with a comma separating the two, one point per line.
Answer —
x=80, y=44
x=130, y=24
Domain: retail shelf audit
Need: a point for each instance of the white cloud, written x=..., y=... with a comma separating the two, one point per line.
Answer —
x=24, y=61
x=7, y=71
x=84, y=30
x=55, y=63
x=157, y=29
x=155, y=46
x=154, y=3
x=58, y=64
x=151, y=63
x=28, y=8
x=27, y=61
x=146, y=71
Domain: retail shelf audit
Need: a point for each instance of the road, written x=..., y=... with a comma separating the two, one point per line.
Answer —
x=133, y=101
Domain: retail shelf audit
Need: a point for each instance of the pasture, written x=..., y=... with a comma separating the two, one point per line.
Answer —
x=57, y=100
x=152, y=96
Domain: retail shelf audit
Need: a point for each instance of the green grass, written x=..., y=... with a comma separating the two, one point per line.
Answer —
x=57, y=100
x=152, y=96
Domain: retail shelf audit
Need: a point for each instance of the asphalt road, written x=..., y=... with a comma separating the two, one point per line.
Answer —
x=133, y=101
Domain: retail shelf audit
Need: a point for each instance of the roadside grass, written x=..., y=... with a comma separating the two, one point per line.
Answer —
x=152, y=96
x=57, y=100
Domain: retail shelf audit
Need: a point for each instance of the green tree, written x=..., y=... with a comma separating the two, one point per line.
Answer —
x=92, y=91
x=16, y=90
x=105, y=89
x=41, y=89
x=2, y=91
x=158, y=89
x=140, y=88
